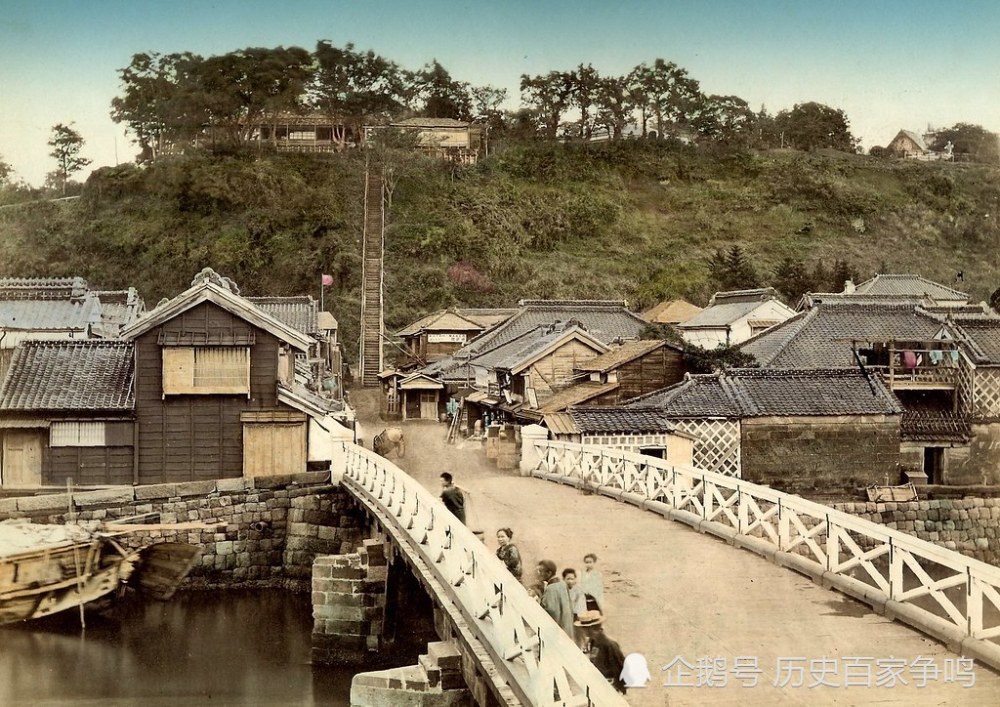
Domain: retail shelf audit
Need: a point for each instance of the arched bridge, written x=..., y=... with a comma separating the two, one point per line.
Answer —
x=527, y=659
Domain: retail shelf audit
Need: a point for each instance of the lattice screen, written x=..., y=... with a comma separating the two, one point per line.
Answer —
x=984, y=392
x=718, y=445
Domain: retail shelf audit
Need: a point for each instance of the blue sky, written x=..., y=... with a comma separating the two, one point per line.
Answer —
x=888, y=64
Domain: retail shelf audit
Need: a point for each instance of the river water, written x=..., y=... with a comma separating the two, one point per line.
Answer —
x=200, y=648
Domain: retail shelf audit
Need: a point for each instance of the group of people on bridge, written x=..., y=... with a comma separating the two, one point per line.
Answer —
x=575, y=602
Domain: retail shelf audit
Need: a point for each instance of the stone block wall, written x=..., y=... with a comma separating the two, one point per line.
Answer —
x=348, y=597
x=821, y=455
x=269, y=528
x=969, y=525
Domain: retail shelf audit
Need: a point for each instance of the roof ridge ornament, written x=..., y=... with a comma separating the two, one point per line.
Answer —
x=209, y=275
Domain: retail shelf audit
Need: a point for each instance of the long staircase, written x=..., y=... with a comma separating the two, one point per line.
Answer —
x=373, y=243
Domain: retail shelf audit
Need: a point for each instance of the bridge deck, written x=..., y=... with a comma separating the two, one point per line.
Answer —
x=671, y=592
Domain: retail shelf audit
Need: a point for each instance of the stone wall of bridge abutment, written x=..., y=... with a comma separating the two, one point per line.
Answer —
x=672, y=593
x=264, y=529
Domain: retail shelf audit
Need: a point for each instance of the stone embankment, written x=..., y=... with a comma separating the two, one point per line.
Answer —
x=268, y=528
x=970, y=526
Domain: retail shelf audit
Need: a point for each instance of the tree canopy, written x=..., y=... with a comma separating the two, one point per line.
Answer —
x=170, y=101
x=66, y=144
x=809, y=126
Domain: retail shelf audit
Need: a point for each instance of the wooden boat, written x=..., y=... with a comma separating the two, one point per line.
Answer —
x=45, y=569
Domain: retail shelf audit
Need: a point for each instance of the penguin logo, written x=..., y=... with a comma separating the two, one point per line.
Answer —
x=635, y=672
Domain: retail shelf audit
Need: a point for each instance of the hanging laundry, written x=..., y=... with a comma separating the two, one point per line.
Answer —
x=936, y=357
x=909, y=359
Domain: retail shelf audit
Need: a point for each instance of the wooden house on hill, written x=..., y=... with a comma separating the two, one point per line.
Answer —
x=733, y=317
x=908, y=144
x=442, y=138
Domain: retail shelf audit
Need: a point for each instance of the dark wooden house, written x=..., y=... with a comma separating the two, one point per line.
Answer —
x=213, y=375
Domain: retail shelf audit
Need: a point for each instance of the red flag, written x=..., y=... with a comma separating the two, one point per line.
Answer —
x=327, y=280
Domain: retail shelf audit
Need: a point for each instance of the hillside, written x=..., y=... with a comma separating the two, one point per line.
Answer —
x=632, y=220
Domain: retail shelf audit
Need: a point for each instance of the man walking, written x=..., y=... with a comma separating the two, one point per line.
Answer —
x=555, y=597
x=452, y=498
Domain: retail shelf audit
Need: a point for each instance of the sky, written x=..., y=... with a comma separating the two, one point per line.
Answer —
x=889, y=64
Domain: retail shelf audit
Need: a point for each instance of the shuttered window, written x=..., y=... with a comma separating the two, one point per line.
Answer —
x=204, y=370
x=77, y=434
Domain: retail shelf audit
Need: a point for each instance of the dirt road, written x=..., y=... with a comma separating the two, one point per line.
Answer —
x=674, y=593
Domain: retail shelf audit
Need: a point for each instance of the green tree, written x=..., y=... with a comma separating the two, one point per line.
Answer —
x=792, y=279
x=5, y=171
x=810, y=126
x=547, y=97
x=66, y=144
x=665, y=93
x=585, y=84
x=841, y=273
x=355, y=88
x=979, y=144
x=245, y=89
x=442, y=96
x=160, y=103
x=732, y=270
x=726, y=119
x=486, y=102
x=614, y=105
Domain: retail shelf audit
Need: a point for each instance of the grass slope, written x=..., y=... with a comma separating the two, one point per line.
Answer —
x=630, y=220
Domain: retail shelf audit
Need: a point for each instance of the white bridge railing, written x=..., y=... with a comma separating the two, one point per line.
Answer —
x=537, y=659
x=939, y=591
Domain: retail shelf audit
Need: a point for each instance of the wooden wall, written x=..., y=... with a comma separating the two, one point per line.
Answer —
x=87, y=465
x=198, y=437
x=657, y=369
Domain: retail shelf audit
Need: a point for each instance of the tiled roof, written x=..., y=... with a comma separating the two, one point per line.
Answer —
x=609, y=420
x=296, y=312
x=50, y=314
x=754, y=392
x=909, y=285
x=917, y=139
x=37, y=288
x=450, y=370
x=576, y=394
x=445, y=320
x=981, y=338
x=718, y=315
x=758, y=294
x=535, y=343
x=822, y=337
x=69, y=375
x=671, y=312
x=619, y=355
x=605, y=321
x=487, y=317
